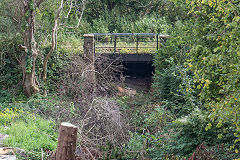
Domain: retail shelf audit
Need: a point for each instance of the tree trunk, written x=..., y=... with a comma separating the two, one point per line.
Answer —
x=30, y=84
x=66, y=142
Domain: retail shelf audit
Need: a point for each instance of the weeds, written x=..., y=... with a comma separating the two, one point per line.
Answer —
x=28, y=131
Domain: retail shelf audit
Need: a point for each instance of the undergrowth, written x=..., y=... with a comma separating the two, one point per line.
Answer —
x=28, y=131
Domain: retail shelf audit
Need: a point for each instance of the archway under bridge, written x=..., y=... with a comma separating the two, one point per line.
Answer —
x=134, y=50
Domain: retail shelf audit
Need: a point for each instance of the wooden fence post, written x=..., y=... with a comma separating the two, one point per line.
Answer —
x=66, y=142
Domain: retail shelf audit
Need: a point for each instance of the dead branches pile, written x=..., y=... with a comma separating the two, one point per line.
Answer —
x=102, y=123
x=108, y=72
x=74, y=84
x=98, y=117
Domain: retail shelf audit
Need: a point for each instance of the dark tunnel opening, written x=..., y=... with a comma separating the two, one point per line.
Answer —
x=138, y=75
x=140, y=70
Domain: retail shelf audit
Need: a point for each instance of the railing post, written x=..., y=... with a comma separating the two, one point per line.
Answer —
x=115, y=44
x=137, y=45
x=89, y=56
x=89, y=46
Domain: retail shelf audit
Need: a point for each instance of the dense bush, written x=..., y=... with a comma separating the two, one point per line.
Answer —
x=9, y=66
x=214, y=59
x=172, y=79
x=119, y=24
x=189, y=132
x=180, y=138
x=193, y=71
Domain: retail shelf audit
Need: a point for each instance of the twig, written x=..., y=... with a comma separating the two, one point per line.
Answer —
x=90, y=154
x=110, y=65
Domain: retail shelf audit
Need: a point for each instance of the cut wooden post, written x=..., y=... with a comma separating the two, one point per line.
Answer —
x=66, y=142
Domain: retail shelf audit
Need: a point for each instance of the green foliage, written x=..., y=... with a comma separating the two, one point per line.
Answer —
x=148, y=120
x=157, y=119
x=47, y=107
x=144, y=114
x=133, y=10
x=10, y=72
x=151, y=24
x=5, y=96
x=100, y=25
x=110, y=23
x=210, y=48
x=28, y=131
x=191, y=67
x=189, y=132
x=182, y=137
x=45, y=16
x=57, y=62
x=172, y=81
x=9, y=115
x=112, y=152
x=214, y=57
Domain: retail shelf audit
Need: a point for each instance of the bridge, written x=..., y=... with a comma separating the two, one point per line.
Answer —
x=134, y=50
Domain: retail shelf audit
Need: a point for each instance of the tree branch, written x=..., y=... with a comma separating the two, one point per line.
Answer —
x=39, y=3
x=53, y=41
x=83, y=8
x=69, y=9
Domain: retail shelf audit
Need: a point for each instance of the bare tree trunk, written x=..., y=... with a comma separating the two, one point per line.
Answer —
x=30, y=84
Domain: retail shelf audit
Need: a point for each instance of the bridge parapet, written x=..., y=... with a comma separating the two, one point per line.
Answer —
x=128, y=43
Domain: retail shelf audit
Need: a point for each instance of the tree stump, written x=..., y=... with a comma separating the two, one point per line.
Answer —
x=66, y=142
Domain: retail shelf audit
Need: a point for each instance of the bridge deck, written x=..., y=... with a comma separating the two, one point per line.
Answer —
x=131, y=58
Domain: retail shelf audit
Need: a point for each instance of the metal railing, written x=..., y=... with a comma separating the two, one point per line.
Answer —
x=128, y=43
